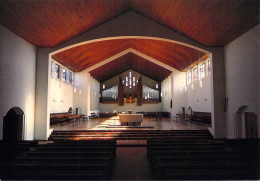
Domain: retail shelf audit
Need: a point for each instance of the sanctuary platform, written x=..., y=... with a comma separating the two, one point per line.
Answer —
x=147, y=124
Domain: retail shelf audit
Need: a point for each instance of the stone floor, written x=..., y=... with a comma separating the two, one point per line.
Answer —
x=113, y=123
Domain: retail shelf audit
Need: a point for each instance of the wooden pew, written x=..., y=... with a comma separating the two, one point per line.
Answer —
x=215, y=159
x=75, y=160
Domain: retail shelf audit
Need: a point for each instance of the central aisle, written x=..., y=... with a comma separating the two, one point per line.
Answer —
x=132, y=164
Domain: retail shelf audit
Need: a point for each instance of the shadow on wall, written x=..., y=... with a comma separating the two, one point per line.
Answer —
x=13, y=125
x=238, y=121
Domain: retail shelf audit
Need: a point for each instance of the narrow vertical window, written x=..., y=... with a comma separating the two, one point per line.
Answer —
x=156, y=86
x=189, y=77
x=195, y=73
x=104, y=86
x=64, y=75
x=126, y=81
x=70, y=77
x=209, y=66
x=52, y=69
x=202, y=71
x=57, y=71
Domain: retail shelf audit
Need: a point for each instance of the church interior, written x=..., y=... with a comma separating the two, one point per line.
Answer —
x=129, y=90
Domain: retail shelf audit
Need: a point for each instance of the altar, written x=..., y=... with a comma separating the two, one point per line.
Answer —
x=130, y=119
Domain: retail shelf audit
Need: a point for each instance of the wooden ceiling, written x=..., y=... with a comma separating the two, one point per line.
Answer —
x=82, y=57
x=48, y=23
x=133, y=62
x=210, y=22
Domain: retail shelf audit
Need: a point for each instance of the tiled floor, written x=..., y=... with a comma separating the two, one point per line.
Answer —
x=113, y=123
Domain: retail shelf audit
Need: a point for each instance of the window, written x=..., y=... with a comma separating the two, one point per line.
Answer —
x=52, y=69
x=209, y=66
x=195, y=73
x=202, y=70
x=189, y=77
x=64, y=75
x=70, y=78
x=126, y=81
x=57, y=71
x=156, y=86
x=104, y=86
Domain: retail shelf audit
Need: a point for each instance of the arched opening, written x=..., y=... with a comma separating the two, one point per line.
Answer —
x=13, y=126
x=191, y=56
x=239, y=126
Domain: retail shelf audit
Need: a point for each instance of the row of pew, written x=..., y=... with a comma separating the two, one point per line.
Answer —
x=59, y=160
x=155, y=114
x=202, y=159
x=198, y=118
x=90, y=155
x=128, y=134
x=65, y=118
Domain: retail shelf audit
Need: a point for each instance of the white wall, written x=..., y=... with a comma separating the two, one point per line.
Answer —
x=242, y=76
x=166, y=87
x=179, y=92
x=61, y=93
x=94, y=94
x=145, y=107
x=87, y=92
x=199, y=93
x=82, y=94
x=17, y=77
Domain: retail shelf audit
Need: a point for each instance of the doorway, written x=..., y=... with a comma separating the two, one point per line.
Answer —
x=13, y=125
x=251, y=125
x=239, y=122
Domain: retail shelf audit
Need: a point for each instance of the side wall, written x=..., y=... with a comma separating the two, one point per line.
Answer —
x=61, y=93
x=86, y=93
x=242, y=77
x=197, y=94
x=17, y=77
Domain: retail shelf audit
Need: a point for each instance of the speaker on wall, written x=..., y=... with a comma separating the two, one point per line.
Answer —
x=171, y=103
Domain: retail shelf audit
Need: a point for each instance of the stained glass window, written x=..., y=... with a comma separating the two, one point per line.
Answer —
x=70, y=78
x=189, y=77
x=202, y=71
x=195, y=73
x=57, y=71
x=64, y=75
